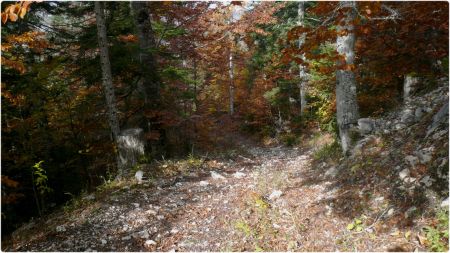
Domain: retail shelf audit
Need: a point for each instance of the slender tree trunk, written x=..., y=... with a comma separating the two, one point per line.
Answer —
x=231, y=87
x=302, y=69
x=346, y=101
x=107, y=77
x=194, y=106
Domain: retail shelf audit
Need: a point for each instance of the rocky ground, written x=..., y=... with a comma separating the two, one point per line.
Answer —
x=274, y=198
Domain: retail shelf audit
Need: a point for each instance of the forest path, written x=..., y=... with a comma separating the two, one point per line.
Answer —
x=266, y=199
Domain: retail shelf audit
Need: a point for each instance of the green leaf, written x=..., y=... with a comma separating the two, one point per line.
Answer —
x=358, y=221
x=359, y=228
x=350, y=226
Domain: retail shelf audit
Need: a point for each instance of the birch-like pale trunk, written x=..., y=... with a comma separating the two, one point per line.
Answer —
x=231, y=87
x=302, y=69
x=107, y=77
x=346, y=101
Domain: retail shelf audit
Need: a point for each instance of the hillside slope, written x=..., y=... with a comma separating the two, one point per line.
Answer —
x=275, y=198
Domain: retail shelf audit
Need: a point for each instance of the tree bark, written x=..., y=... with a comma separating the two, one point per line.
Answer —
x=107, y=78
x=302, y=68
x=346, y=101
x=231, y=87
x=149, y=73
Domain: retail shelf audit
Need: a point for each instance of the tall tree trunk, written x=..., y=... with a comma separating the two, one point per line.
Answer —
x=302, y=68
x=150, y=78
x=231, y=87
x=107, y=78
x=346, y=102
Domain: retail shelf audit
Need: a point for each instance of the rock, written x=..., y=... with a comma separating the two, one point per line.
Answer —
x=216, y=175
x=125, y=238
x=174, y=231
x=61, y=228
x=103, y=241
x=139, y=175
x=409, y=86
x=445, y=203
x=144, y=234
x=275, y=194
x=365, y=125
x=331, y=172
x=390, y=212
x=407, y=116
x=89, y=197
x=149, y=243
x=131, y=144
x=410, y=211
x=437, y=118
x=419, y=113
x=427, y=181
x=399, y=126
x=425, y=155
x=136, y=205
x=403, y=174
x=238, y=175
x=160, y=217
x=412, y=160
x=203, y=183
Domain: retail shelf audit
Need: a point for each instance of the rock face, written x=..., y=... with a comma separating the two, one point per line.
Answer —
x=131, y=146
x=366, y=125
x=409, y=86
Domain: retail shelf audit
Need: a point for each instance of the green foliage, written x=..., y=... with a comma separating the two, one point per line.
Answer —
x=332, y=150
x=271, y=96
x=437, y=236
x=357, y=225
x=40, y=179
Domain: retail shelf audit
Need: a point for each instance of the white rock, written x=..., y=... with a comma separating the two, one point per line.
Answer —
x=139, y=175
x=390, y=212
x=136, y=205
x=61, y=228
x=160, y=217
x=150, y=242
x=203, y=183
x=174, y=231
x=238, y=175
x=445, y=203
x=331, y=172
x=104, y=241
x=89, y=197
x=275, y=194
x=216, y=175
x=128, y=237
x=403, y=174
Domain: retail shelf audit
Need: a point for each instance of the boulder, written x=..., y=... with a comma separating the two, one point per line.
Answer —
x=412, y=160
x=403, y=174
x=366, y=125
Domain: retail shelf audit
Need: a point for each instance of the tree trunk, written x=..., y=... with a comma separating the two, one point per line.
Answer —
x=302, y=68
x=231, y=87
x=107, y=77
x=346, y=101
x=150, y=78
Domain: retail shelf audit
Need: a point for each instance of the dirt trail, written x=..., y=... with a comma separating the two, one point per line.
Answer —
x=259, y=201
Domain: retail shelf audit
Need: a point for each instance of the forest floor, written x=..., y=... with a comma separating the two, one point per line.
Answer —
x=386, y=196
x=259, y=199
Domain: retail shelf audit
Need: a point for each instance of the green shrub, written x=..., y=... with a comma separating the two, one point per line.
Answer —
x=332, y=150
x=437, y=235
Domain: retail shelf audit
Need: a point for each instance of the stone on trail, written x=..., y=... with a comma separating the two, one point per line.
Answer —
x=216, y=175
x=150, y=242
x=445, y=203
x=203, y=183
x=238, y=175
x=403, y=174
x=275, y=194
x=139, y=175
x=61, y=228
